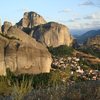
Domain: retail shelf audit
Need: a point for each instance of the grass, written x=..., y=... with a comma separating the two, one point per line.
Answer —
x=47, y=86
x=88, y=90
x=5, y=86
x=17, y=90
x=21, y=89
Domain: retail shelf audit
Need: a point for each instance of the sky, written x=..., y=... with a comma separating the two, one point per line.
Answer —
x=75, y=14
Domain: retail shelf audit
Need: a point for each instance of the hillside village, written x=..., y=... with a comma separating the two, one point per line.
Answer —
x=82, y=73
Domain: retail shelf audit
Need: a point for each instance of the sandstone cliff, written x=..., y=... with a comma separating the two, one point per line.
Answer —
x=52, y=34
x=0, y=26
x=30, y=19
x=6, y=26
x=22, y=54
x=49, y=34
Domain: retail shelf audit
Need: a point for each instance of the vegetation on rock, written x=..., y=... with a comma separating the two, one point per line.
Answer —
x=62, y=50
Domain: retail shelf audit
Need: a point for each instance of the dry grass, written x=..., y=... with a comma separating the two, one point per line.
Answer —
x=89, y=90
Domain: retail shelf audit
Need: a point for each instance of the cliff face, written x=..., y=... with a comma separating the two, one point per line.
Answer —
x=6, y=26
x=93, y=42
x=49, y=34
x=52, y=34
x=30, y=19
x=0, y=27
x=21, y=51
x=22, y=54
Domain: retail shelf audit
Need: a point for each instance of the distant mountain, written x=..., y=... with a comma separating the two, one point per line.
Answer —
x=90, y=34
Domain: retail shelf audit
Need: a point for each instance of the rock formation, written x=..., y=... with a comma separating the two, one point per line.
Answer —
x=0, y=26
x=30, y=19
x=52, y=34
x=93, y=42
x=49, y=34
x=0, y=30
x=5, y=27
x=22, y=54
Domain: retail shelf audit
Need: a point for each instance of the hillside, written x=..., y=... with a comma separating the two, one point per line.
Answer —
x=84, y=37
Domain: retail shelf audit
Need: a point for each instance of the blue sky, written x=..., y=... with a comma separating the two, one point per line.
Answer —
x=76, y=14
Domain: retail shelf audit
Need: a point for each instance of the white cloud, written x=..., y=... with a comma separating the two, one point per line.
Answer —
x=88, y=22
x=95, y=3
x=87, y=3
x=65, y=11
x=74, y=19
x=85, y=25
x=94, y=16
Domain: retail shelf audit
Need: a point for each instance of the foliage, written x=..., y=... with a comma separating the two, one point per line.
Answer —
x=55, y=78
x=62, y=50
x=88, y=90
x=46, y=86
x=90, y=50
x=5, y=86
x=96, y=66
x=20, y=89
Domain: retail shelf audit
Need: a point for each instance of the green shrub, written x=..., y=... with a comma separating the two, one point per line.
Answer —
x=55, y=78
x=5, y=86
x=90, y=50
x=22, y=89
x=41, y=80
x=62, y=50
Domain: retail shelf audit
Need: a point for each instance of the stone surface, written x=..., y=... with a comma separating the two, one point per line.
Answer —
x=22, y=54
x=30, y=19
x=0, y=26
x=6, y=26
x=93, y=41
x=52, y=34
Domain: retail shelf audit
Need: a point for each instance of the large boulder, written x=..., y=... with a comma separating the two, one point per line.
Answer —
x=22, y=54
x=6, y=26
x=0, y=26
x=0, y=30
x=29, y=20
x=52, y=34
x=3, y=44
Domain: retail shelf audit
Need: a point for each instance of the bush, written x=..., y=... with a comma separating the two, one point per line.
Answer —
x=5, y=86
x=90, y=50
x=55, y=78
x=21, y=89
x=62, y=50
